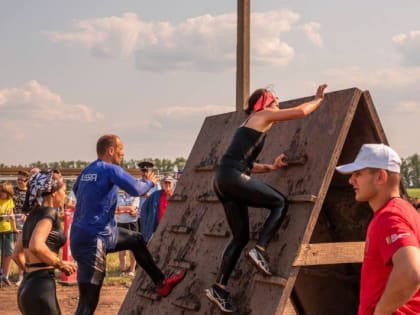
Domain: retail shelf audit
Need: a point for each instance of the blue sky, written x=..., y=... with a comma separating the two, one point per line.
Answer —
x=151, y=71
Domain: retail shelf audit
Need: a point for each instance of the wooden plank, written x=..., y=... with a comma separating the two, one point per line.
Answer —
x=330, y=253
x=301, y=198
x=217, y=233
x=188, y=304
x=182, y=264
x=208, y=197
x=296, y=160
x=148, y=295
x=178, y=197
x=180, y=229
x=289, y=309
x=271, y=280
x=205, y=168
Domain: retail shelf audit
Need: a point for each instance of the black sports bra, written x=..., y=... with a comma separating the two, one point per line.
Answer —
x=56, y=238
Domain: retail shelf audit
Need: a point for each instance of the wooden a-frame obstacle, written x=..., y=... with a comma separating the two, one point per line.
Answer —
x=316, y=254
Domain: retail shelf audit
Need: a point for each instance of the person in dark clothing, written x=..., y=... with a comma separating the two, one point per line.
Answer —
x=38, y=246
x=237, y=190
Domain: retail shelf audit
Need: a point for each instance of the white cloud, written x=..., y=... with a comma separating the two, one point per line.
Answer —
x=369, y=78
x=408, y=45
x=312, y=31
x=35, y=102
x=408, y=107
x=37, y=124
x=205, y=42
x=108, y=36
x=183, y=112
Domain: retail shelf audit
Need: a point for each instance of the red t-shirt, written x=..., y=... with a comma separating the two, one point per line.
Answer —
x=395, y=225
x=163, y=203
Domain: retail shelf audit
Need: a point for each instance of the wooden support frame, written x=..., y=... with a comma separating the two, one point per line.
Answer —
x=330, y=253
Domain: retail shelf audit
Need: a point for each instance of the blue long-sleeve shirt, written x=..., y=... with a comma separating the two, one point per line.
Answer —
x=96, y=191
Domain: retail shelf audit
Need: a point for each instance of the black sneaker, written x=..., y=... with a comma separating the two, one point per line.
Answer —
x=221, y=298
x=260, y=260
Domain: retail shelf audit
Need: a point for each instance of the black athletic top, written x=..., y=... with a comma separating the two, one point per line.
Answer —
x=56, y=238
x=244, y=148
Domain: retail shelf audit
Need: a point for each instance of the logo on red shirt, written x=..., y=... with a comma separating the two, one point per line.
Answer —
x=394, y=237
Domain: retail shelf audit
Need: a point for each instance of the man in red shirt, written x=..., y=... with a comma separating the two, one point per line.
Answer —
x=390, y=278
x=154, y=207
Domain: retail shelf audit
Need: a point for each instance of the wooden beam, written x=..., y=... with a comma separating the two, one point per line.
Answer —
x=330, y=253
x=243, y=53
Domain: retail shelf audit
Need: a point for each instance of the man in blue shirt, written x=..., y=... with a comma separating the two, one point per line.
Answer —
x=94, y=231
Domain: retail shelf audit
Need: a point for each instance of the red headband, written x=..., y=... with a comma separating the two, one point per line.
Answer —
x=265, y=99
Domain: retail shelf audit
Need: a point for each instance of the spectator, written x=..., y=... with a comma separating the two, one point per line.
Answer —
x=127, y=214
x=94, y=231
x=71, y=200
x=19, y=197
x=7, y=227
x=19, y=200
x=38, y=246
x=155, y=206
x=390, y=278
x=145, y=168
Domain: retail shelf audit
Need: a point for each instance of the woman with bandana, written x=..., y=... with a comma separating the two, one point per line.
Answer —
x=237, y=190
x=37, y=247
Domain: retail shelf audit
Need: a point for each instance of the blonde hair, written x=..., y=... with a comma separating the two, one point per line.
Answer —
x=7, y=187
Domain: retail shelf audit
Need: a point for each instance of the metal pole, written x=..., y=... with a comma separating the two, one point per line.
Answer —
x=242, y=53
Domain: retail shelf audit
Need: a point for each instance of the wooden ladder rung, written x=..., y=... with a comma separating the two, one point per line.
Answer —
x=187, y=303
x=297, y=160
x=148, y=295
x=205, y=168
x=182, y=264
x=180, y=229
x=208, y=198
x=301, y=198
x=177, y=197
x=217, y=233
x=271, y=280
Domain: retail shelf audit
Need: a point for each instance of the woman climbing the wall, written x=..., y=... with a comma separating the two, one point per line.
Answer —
x=237, y=190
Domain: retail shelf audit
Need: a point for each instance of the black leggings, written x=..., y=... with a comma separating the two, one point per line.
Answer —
x=127, y=240
x=238, y=191
x=37, y=294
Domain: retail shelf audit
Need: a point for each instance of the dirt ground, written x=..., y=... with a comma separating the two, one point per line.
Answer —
x=110, y=300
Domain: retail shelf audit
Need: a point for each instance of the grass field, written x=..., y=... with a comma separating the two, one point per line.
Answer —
x=414, y=192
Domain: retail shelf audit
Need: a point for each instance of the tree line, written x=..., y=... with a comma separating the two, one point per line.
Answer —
x=410, y=167
x=164, y=166
x=410, y=171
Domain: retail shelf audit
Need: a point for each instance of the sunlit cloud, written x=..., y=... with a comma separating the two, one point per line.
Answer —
x=367, y=78
x=312, y=31
x=37, y=102
x=408, y=107
x=181, y=112
x=203, y=43
x=408, y=45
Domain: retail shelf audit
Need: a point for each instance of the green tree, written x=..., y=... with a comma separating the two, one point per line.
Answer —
x=405, y=172
x=414, y=174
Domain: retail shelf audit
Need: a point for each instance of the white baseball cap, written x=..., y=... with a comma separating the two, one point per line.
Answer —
x=373, y=155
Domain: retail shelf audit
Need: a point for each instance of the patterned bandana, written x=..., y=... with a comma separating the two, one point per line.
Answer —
x=265, y=99
x=40, y=184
